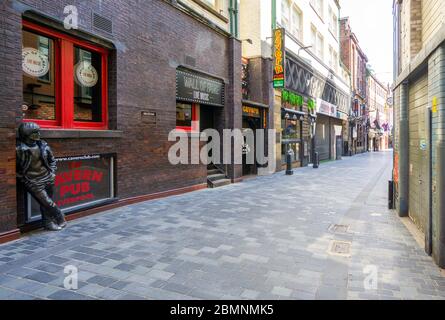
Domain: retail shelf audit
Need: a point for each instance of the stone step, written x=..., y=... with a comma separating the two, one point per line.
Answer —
x=218, y=176
x=219, y=183
x=212, y=172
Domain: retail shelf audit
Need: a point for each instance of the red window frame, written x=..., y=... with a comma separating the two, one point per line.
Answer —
x=195, y=117
x=64, y=64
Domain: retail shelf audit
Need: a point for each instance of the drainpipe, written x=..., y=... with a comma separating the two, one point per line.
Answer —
x=439, y=235
x=274, y=14
x=403, y=152
x=231, y=15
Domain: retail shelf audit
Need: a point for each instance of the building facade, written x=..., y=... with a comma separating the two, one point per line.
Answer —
x=311, y=101
x=380, y=123
x=108, y=93
x=419, y=115
x=355, y=61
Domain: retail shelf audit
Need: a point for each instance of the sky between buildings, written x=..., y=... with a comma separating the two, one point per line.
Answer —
x=371, y=21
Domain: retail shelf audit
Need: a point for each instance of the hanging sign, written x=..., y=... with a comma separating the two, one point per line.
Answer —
x=34, y=62
x=279, y=58
x=86, y=74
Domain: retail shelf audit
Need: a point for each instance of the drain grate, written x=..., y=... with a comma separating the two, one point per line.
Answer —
x=340, y=248
x=339, y=228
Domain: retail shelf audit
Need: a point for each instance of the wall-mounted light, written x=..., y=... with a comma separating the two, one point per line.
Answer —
x=248, y=40
x=303, y=48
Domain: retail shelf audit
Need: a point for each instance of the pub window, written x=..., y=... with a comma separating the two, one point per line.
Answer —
x=64, y=80
x=291, y=128
x=39, y=81
x=87, y=93
x=187, y=115
x=295, y=147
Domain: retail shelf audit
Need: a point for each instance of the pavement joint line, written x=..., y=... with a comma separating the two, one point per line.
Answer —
x=65, y=246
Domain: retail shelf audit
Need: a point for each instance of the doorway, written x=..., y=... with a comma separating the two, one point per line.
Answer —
x=253, y=124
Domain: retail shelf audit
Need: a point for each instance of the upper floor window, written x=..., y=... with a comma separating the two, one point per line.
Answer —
x=313, y=39
x=285, y=13
x=297, y=23
x=318, y=6
x=64, y=80
x=320, y=46
x=212, y=3
x=333, y=22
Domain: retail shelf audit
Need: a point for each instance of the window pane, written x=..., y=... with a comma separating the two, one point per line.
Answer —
x=295, y=147
x=211, y=3
x=296, y=22
x=87, y=86
x=291, y=129
x=38, y=77
x=183, y=114
x=285, y=10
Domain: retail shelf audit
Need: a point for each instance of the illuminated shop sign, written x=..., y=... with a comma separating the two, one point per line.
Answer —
x=81, y=182
x=192, y=87
x=279, y=57
x=251, y=112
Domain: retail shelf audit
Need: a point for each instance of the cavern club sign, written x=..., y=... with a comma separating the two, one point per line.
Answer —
x=81, y=182
x=279, y=56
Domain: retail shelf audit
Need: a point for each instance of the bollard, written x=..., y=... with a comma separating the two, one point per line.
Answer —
x=316, y=160
x=289, y=170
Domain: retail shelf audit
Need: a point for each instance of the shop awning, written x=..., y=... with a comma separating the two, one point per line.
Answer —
x=292, y=114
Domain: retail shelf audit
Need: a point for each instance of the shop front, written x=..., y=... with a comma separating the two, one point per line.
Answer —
x=329, y=131
x=199, y=100
x=293, y=118
x=255, y=118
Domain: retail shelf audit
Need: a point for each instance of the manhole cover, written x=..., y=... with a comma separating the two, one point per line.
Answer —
x=340, y=248
x=339, y=228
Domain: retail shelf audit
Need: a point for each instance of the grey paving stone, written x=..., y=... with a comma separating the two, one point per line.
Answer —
x=102, y=281
x=68, y=295
x=229, y=243
x=125, y=267
x=42, y=277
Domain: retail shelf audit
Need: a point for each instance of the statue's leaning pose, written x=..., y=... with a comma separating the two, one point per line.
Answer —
x=36, y=169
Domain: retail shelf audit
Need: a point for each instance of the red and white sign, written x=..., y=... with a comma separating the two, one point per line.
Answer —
x=86, y=74
x=326, y=108
x=34, y=62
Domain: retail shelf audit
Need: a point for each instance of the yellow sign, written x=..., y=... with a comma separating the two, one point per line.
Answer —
x=250, y=111
x=434, y=107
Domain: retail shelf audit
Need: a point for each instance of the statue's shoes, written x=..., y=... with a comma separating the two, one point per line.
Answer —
x=60, y=220
x=52, y=227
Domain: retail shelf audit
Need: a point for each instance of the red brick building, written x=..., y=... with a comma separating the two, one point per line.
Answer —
x=109, y=126
x=355, y=61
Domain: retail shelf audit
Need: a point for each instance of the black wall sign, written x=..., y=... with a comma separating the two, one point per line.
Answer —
x=192, y=87
x=81, y=182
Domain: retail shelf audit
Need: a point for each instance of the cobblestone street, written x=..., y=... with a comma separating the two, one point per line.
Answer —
x=266, y=238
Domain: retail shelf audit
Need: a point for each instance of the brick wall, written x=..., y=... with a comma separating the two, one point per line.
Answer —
x=415, y=27
x=151, y=38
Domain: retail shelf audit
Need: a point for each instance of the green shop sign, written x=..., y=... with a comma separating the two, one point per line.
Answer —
x=311, y=104
x=291, y=98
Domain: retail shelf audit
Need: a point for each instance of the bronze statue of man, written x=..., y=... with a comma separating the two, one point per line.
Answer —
x=36, y=169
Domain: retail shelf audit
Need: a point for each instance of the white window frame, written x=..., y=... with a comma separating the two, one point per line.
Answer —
x=286, y=19
x=297, y=32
